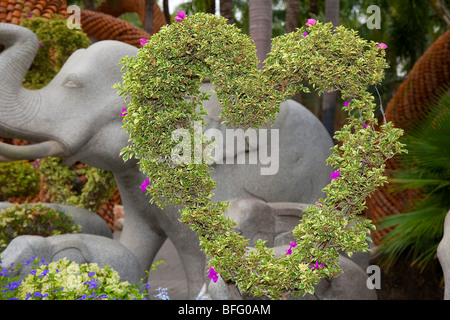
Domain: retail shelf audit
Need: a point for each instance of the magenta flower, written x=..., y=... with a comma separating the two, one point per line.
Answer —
x=346, y=103
x=291, y=246
x=144, y=185
x=317, y=265
x=335, y=175
x=41, y=44
x=319, y=204
x=180, y=16
x=382, y=46
x=310, y=22
x=124, y=113
x=213, y=275
x=36, y=163
x=365, y=126
x=305, y=34
x=143, y=41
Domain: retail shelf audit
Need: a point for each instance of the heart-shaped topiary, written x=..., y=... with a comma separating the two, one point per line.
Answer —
x=162, y=85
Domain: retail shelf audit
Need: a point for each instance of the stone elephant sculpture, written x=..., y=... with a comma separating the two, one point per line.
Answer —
x=79, y=248
x=76, y=116
x=443, y=254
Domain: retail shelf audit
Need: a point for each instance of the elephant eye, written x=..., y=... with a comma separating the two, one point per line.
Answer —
x=72, y=82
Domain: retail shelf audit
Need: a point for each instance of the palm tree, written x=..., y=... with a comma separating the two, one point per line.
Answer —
x=329, y=99
x=226, y=10
x=148, y=24
x=166, y=10
x=260, y=20
x=292, y=10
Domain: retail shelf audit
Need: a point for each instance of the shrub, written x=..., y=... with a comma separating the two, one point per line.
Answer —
x=34, y=219
x=56, y=44
x=18, y=178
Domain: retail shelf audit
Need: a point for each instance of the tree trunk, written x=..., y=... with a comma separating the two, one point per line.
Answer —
x=166, y=10
x=329, y=99
x=226, y=10
x=211, y=7
x=260, y=14
x=148, y=25
x=313, y=10
x=90, y=4
x=442, y=11
x=292, y=10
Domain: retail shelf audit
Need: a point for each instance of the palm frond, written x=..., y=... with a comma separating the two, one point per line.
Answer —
x=417, y=233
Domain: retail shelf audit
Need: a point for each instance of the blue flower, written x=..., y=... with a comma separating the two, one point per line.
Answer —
x=40, y=295
x=146, y=286
x=90, y=274
x=44, y=273
x=162, y=294
x=82, y=297
x=3, y=272
x=93, y=283
x=12, y=285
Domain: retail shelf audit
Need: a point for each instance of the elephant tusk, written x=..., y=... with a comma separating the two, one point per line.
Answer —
x=49, y=148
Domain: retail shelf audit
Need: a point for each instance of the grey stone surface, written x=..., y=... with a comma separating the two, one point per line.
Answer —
x=443, y=254
x=80, y=248
x=90, y=222
x=76, y=116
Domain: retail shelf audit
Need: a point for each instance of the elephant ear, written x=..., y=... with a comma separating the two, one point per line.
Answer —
x=70, y=247
x=287, y=217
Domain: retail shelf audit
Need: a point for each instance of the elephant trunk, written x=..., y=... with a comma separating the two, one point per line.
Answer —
x=19, y=106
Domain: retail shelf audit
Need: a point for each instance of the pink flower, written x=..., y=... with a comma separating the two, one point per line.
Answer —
x=143, y=41
x=310, y=22
x=144, y=185
x=335, y=175
x=213, y=275
x=317, y=265
x=365, y=126
x=305, y=34
x=41, y=44
x=180, y=16
x=382, y=46
x=124, y=113
x=36, y=163
x=291, y=246
x=346, y=103
x=319, y=204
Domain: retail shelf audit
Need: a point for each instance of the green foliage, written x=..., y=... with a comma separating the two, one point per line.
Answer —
x=169, y=68
x=57, y=43
x=418, y=231
x=17, y=178
x=20, y=178
x=59, y=180
x=67, y=280
x=34, y=219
